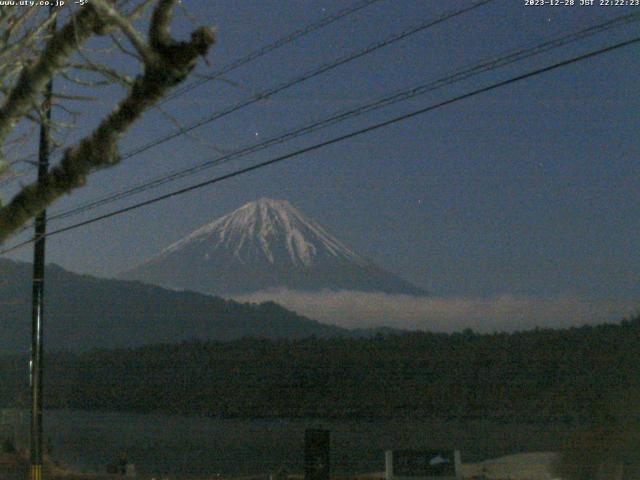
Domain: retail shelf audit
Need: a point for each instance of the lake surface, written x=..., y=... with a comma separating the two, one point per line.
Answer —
x=171, y=444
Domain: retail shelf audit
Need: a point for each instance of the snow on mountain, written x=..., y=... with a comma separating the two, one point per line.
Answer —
x=272, y=229
x=262, y=245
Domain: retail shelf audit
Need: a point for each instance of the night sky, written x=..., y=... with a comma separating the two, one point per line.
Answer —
x=529, y=191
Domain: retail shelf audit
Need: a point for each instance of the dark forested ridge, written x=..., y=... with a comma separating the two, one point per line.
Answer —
x=85, y=312
x=558, y=375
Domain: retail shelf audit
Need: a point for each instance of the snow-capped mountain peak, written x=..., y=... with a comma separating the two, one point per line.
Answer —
x=263, y=245
x=273, y=230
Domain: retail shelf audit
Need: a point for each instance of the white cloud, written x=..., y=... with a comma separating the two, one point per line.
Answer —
x=445, y=314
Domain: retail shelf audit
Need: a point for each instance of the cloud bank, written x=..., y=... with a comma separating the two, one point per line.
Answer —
x=445, y=314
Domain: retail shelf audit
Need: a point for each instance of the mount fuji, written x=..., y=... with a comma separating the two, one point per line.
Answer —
x=263, y=245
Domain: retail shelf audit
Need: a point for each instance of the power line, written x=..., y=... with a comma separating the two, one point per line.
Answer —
x=255, y=54
x=271, y=47
x=462, y=74
x=334, y=140
x=307, y=76
x=311, y=74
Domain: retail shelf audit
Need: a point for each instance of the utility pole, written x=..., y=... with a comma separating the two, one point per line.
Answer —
x=37, y=311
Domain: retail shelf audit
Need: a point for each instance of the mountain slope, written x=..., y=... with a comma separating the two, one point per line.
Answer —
x=262, y=245
x=84, y=312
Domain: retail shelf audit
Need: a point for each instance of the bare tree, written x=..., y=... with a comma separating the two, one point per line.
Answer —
x=31, y=55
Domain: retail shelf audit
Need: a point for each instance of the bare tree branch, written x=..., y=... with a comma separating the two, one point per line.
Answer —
x=124, y=49
x=34, y=78
x=127, y=28
x=167, y=63
x=109, y=74
x=139, y=9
